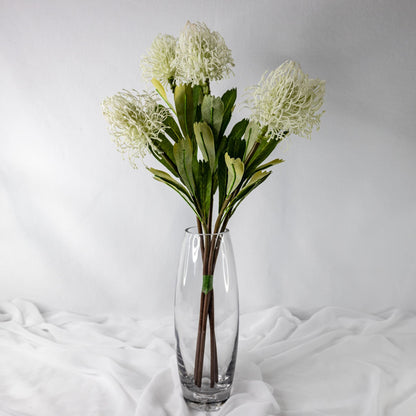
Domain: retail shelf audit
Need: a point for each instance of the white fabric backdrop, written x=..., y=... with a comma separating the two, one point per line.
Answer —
x=336, y=363
x=335, y=225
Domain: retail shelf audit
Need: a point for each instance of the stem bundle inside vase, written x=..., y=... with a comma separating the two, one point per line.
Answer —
x=211, y=164
x=210, y=245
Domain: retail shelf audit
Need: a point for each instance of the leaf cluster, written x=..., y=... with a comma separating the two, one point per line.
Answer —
x=203, y=160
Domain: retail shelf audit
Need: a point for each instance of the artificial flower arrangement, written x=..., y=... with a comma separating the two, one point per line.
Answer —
x=211, y=165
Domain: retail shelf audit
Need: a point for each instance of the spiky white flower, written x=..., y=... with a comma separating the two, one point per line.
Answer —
x=159, y=61
x=201, y=55
x=287, y=101
x=136, y=120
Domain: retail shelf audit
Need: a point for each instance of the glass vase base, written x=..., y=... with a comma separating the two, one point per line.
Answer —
x=205, y=398
x=204, y=407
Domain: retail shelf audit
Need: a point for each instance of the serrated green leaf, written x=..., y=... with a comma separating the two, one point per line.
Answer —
x=212, y=112
x=235, y=172
x=205, y=141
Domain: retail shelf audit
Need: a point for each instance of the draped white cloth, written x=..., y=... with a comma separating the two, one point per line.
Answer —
x=336, y=363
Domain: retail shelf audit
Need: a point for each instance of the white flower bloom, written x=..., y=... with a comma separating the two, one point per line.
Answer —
x=159, y=62
x=136, y=120
x=201, y=55
x=287, y=101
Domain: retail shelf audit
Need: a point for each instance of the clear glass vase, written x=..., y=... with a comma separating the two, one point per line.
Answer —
x=206, y=319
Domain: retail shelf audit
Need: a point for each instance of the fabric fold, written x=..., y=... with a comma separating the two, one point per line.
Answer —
x=336, y=363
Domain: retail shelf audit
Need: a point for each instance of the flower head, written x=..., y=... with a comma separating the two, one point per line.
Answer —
x=159, y=62
x=287, y=101
x=136, y=120
x=201, y=55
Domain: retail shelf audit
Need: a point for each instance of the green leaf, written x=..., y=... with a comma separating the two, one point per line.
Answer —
x=159, y=88
x=165, y=178
x=256, y=180
x=261, y=154
x=222, y=180
x=238, y=130
x=205, y=141
x=269, y=164
x=250, y=136
x=165, y=154
x=212, y=112
x=256, y=177
x=172, y=129
x=235, y=145
x=228, y=99
x=185, y=108
x=214, y=184
x=235, y=172
x=161, y=91
x=197, y=101
x=183, y=154
x=164, y=145
x=203, y=189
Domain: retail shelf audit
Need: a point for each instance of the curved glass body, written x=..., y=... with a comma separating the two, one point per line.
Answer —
x=210, y=346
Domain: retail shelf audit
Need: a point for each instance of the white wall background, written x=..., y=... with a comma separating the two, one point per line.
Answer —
x=334, y=225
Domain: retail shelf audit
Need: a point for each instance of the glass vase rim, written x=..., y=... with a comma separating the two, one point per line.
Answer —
x=194, y=231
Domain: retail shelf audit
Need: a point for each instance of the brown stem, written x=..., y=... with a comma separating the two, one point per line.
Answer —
x=206, y=306
x=217, y=248
x=203, y=313
x=214, y=357
x=207, y=310
x=198, y=340
x=198, y=222
x=200, y=355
